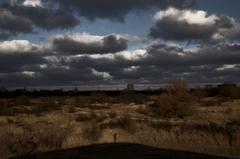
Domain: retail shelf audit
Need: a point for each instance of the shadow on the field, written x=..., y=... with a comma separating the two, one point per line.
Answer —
x=118, y=151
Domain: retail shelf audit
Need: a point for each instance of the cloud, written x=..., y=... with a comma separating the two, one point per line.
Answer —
x=231, y=34
x=88, y=44
x=188, y=24
x=17, y=46
x=14, y=23
x=17, y=54
x=103, y=75
x=218, y=54
x=134, y=55
x=156, y=64
x=33, y=3
x=188, y=16
x=42, y=14
x=117, y=9
x=161, y=62
x=46, y=18
x=21, y=15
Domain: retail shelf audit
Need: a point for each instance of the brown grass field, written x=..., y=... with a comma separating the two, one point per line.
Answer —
x=175, y=119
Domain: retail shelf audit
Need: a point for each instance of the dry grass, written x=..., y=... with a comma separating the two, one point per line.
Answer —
x=123, y=122
x=43, y=124
x=52, y=136
x=91, y=131
x=85, y=116
x=26, y=134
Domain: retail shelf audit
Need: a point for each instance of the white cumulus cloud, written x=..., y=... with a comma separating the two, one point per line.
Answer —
x=197, y=17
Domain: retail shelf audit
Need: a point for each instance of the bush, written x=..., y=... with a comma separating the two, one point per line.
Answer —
x=46, y=105
x=23, y=100
x=213, y=101
x=82, y=101
x=229, y=93
x=84, y=117
x=199, y=94
x=127, y=123
x=53, y=136
x=112, y=114
x=124, y=122
x=21, y=143
x=5, y=108
x=128, y=96
x=100, y=97
x=92, y=131
x=8, y=108
x=142, y=110
x=16, y=142
x=175, y=101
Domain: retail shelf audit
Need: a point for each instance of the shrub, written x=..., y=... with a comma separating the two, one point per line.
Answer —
x=53, y=136
x=129, y=96
x=100, y=97
x=16, y=142
x=71, y=109
x=124, y=122
x=127, y=123
x=92, y=131
x=23, y=100
x=179, y=89
x=82, y=101
x=142, y=110
x=46, y=105
x=175, y=101
x=213, y=101
x=229, y=92
x=5, y=108
x=199, y=94
x=112, y=114
x=21, y=143
x=84, y=117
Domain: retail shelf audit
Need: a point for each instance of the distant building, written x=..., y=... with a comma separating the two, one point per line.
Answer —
x=130, y=87
x=76, y=89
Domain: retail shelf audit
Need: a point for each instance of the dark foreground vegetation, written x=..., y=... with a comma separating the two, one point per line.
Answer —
x=119, y=151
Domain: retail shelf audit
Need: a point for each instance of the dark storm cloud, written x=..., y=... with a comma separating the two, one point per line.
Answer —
x=160, y=62
x=14, y=23
x=61, y=14
x=117, y=9
x=107, y=44
x=68, y=59
x=16, y=62
x=187, y=24
x=46, y=18
x=232, y=34
x=167, y=62
x=15, y=55
x=71, y=75
x=168, y=56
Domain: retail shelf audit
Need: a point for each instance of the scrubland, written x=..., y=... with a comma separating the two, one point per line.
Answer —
x=177, y=119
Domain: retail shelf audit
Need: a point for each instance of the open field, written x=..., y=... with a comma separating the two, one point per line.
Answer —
x=195, y=123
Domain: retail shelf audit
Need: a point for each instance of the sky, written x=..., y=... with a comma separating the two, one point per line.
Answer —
x=76, y=42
